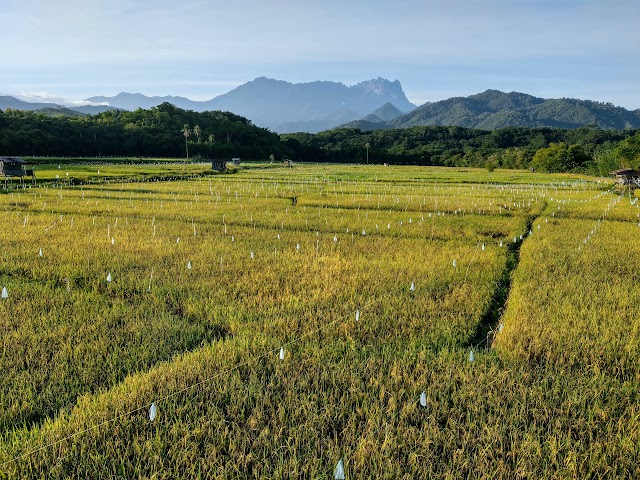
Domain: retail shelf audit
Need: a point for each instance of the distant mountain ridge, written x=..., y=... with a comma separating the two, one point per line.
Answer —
x=133, y=101
x=286, y=107
x=493, y=109
x=7, y=101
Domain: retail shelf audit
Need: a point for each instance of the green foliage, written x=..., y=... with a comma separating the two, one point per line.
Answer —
x=511, y=147
x=157, y=132
x=551, y=159
x=628, y=151
x=160, y=132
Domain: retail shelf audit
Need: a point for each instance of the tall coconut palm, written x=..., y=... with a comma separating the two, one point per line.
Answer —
x=196, y=132
x=187, y=133
x=366, y=145
x=212, y=139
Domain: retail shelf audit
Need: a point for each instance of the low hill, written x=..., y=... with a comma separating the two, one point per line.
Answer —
x=8, y=102
x=493, y=109
x=156, y=132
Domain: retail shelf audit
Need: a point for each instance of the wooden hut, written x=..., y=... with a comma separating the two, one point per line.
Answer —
x=15, y=167
x=219, y=165
x=235, y=161
x=627, y=176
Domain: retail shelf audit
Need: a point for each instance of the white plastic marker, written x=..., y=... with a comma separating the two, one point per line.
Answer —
x=153, y=412
x=412, y=288
x=108, y=277
x=472, y=357
x=357, y=315
x=5, y=293
x=252, y=255
x=338, y=473
x=189, y=265
x=423, y=399
x=454, y=263
x=281, y=353
x=335, y=238
x=40, y=252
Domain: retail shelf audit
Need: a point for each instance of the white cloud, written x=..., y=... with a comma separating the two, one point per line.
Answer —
x=45, y=97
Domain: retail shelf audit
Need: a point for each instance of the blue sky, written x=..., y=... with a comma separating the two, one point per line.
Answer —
x=74, y=49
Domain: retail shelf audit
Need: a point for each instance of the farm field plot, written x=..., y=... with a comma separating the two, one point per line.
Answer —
x=411, y=322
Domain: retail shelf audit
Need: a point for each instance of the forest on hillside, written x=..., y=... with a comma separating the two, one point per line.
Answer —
x=588, y=149
x=170, y=132
x=162, y=131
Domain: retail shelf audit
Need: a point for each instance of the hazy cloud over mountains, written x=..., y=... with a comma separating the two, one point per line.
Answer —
x=44, y=97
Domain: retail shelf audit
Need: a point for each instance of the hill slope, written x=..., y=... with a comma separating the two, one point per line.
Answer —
x=493, y=109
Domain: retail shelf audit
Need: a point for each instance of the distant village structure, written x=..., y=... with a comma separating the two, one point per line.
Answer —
x=219, y=165
x=627, y=177
x=15, y=167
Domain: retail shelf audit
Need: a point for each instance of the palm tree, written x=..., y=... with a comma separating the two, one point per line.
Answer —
x=186, y=132
x=196, y=132
x=366, y=145
x=212, y=138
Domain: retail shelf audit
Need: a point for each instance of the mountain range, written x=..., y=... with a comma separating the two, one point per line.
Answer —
x=494, y=109
x=285, y=107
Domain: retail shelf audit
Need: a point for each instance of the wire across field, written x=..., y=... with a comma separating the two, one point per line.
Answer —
x=377, y=284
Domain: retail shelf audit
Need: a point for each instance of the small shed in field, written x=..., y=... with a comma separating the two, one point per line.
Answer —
x=219, y=165
x=627, y=176
x=287, y=163
x=15, y=167
x=235, y=161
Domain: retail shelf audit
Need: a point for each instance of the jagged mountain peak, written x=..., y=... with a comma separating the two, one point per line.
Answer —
x=281, y=105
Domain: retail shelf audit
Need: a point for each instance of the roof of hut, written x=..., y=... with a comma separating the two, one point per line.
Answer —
x=14, y=160
x=626, y=172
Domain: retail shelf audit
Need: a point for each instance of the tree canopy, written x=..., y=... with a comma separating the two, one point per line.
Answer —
x=171, y=132
x=156, y=132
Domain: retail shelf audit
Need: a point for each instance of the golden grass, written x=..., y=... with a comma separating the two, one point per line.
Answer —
x=82, y=359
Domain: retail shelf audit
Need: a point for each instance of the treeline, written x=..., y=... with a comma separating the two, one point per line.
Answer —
x=157, y=132
x=171, y=132
x=588, y=149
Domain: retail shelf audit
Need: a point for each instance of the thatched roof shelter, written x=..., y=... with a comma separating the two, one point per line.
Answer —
x=626, y=176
